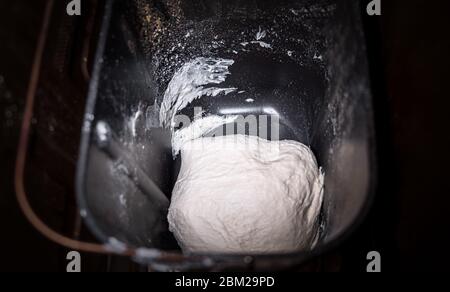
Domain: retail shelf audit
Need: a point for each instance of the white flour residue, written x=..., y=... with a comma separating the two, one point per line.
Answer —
x=189, y=82
x=133, y=120
x=260, y=34
x=295, y=12
x=199, y=128
x=102, y=131
x=262, y=44
x=114, y=245
x=123, y=199
x=318, y=57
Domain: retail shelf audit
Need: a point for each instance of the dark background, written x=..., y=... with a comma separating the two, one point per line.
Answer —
x=408, y=224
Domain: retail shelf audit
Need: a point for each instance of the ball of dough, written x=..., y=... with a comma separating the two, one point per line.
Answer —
x=244, y=194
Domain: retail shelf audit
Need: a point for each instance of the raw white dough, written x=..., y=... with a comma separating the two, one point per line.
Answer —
x=243, y=194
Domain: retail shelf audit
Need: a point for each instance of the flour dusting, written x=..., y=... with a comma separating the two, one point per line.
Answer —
x=199, y=128
x=189, y=83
